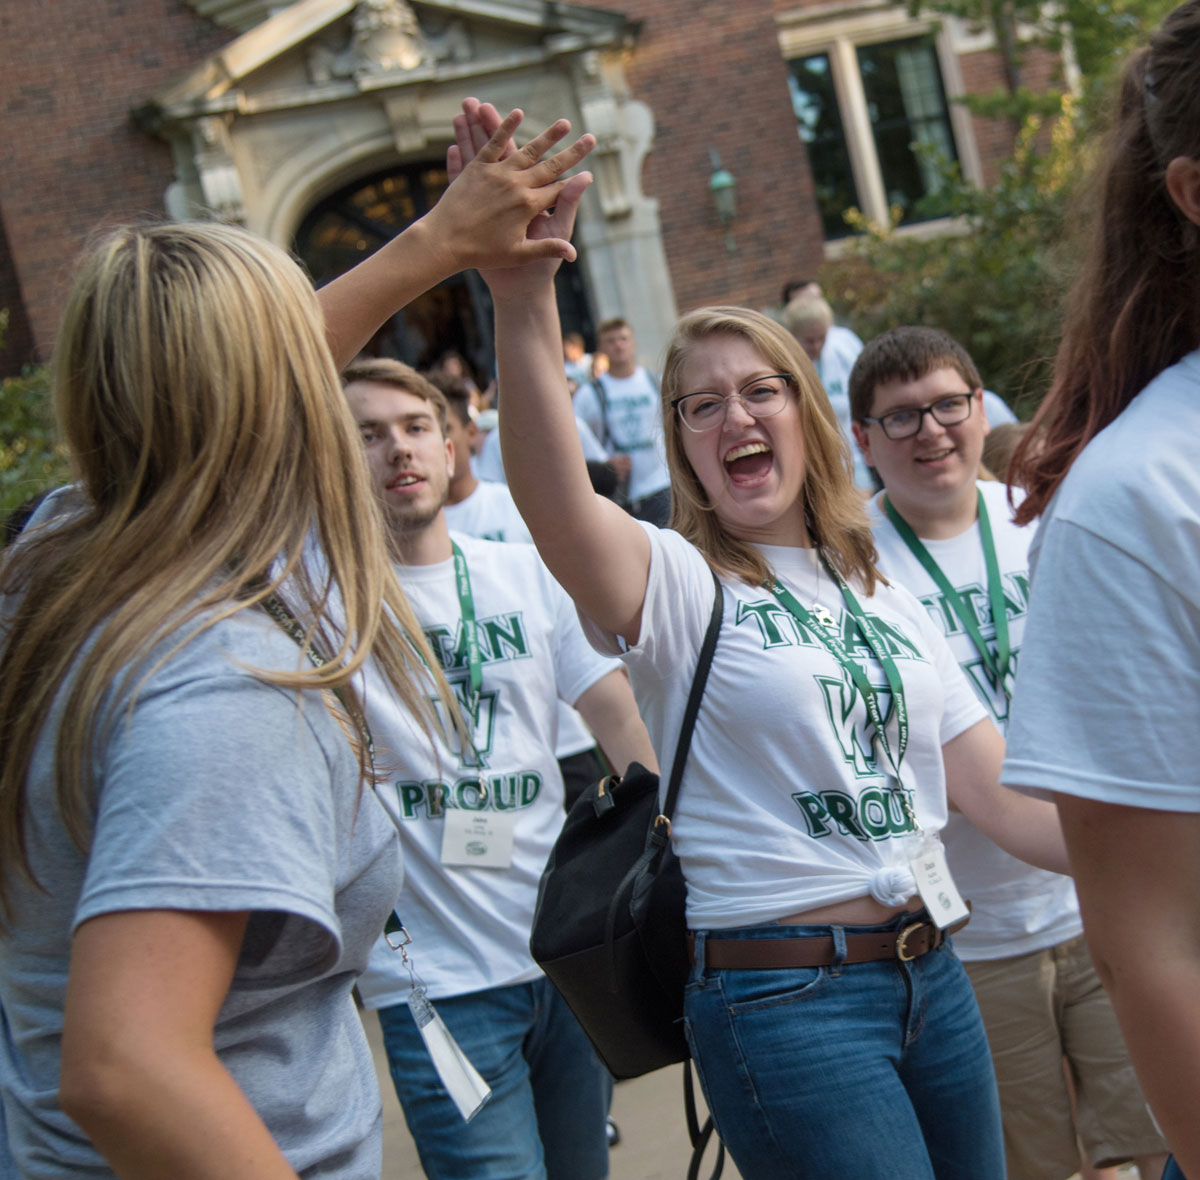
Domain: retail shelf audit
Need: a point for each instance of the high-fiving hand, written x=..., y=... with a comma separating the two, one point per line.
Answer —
x=533, y=219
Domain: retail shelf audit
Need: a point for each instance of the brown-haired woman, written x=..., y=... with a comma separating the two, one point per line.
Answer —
x=834, y=724
x=1108, y=696
x=191, y=874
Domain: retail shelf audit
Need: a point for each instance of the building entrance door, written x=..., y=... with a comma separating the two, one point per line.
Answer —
x=456, y=315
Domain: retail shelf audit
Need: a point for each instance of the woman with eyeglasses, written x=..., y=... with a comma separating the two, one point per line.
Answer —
x=193, y=867
x=1108, y=697
x=835, y=1032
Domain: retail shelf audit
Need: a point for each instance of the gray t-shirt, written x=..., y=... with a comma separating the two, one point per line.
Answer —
x=221, y=793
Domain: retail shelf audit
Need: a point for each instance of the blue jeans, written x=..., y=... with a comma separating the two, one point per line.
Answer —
x=546, y=1117
x=870, y=1071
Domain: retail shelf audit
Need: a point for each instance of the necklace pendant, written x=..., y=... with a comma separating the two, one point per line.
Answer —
x=824, y=616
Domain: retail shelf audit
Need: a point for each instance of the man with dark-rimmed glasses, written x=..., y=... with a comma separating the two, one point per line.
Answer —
x=917, y=404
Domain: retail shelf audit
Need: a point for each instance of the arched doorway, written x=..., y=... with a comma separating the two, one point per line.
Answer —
x=352, y=223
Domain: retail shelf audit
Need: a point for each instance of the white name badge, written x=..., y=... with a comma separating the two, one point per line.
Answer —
x=462, y=1081
x=483, y=839
x=936, y=886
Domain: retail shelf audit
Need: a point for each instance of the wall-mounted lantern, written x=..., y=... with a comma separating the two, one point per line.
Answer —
x=722, y=184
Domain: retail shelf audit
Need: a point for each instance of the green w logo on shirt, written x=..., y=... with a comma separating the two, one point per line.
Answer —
x=855, y=739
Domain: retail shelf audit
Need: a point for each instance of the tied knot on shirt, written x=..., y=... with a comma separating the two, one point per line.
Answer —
x=893, y=885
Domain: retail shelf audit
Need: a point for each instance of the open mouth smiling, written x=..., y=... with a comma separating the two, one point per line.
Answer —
x=944, y=453
x=404, y=481
x=748, y=461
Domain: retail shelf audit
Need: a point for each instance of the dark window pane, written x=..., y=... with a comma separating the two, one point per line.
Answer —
x=909, y=117
x=820, y=125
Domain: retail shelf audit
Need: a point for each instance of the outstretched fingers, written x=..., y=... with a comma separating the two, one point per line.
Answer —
x=543, y=168
x=499, y=144
x=551, y=237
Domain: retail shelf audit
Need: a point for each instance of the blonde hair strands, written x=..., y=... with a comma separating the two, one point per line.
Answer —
x=833, y=506
x=209, y=433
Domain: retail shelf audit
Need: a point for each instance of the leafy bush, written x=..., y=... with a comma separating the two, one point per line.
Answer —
x=996, y=281
x=32, y=460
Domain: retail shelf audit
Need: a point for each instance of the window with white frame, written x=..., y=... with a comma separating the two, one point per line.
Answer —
x=869, y=91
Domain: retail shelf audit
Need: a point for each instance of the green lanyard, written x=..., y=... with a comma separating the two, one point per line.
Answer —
x=466, y=604
x=826, y=633
x=998, y=662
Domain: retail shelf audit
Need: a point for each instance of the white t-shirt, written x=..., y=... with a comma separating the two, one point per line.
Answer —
x=1018, y=909
x=834, y=370
x=845, y=342
x=783, y=806
x=470, y=926
x=629, y=423
x=489, y=464
x=490, y=512
x=998, y=413
x=1108, y=698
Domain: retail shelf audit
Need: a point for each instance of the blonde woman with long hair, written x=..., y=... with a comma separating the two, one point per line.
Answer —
x=835, y=1032
x=192, y=865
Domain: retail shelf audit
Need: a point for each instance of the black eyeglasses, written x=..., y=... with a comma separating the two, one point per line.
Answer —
x=946, y=411
x=760, y=398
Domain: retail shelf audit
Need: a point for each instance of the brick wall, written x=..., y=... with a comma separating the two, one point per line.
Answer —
x=69, y=74
x=712, y=74
x=710, y=71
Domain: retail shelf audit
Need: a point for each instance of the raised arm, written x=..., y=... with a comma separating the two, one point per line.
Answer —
x=1024, y=827
x=481, y=220
x=598, y=553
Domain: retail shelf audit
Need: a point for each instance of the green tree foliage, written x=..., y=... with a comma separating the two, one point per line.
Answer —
x=1098, y=32
x=995, y=281
x=32, y=460
x=998, y=280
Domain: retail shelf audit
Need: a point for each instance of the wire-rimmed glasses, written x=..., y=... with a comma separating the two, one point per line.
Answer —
x=760, y=398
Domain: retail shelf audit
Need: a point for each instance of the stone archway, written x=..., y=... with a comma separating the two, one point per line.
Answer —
x=324, y=94
x=345, y=227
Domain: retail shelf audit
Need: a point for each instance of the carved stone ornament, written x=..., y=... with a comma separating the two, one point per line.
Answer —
x=387, y=37
x=220, y=181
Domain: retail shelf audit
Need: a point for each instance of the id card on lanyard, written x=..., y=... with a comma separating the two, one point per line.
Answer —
x=481, y=839
x=927, y=859
x=462, y=1080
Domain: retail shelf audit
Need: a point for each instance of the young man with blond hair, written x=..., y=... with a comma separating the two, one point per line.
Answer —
x=478, y=816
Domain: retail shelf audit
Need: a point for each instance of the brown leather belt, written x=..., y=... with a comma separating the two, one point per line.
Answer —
x=909, y=942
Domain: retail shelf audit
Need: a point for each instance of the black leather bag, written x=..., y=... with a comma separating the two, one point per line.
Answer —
x=609, y=929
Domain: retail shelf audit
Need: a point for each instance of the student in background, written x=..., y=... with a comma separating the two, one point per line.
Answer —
x=939, y=531
x=471, y=889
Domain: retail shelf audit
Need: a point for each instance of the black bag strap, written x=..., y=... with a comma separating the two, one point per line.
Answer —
x=703, y=664
x=699, y=1136
x=659, y=834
